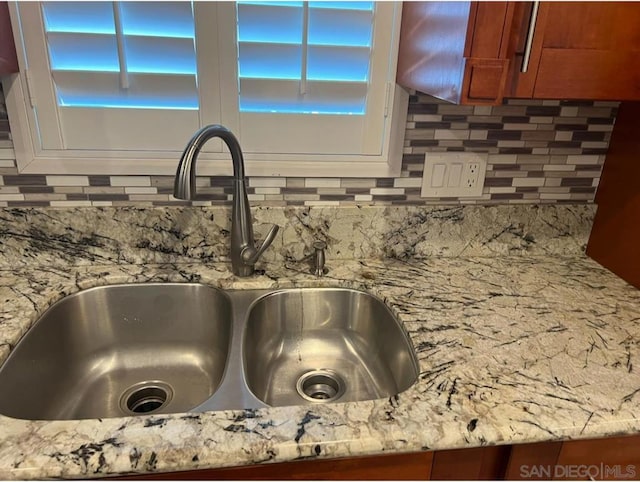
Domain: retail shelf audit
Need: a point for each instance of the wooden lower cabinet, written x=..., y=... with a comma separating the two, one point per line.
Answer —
x=483, y=463
x=416, y=466
x=613, y=458
x=615, y=234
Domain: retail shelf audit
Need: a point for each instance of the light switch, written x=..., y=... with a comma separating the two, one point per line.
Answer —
x=455, y=174
x=437, y=179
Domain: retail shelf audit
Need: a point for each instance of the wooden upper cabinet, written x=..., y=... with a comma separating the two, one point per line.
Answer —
x=582, y=50
x=473, y=52
x=8, y=59
x=456, y=51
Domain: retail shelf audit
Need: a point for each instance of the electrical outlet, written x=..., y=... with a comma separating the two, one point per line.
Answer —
x=453, y=174
x=471, y=174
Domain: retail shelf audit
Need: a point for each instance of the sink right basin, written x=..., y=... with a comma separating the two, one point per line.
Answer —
x=325, y=345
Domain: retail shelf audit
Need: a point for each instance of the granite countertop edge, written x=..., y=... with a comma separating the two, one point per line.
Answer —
x=511, y=350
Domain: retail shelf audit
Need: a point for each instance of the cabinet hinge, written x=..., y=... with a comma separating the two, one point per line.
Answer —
x=387, y=97
x=30, y=89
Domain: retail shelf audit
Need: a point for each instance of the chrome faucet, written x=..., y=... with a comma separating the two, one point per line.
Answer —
x=244, y=254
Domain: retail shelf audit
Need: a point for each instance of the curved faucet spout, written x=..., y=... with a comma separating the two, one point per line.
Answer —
x=244, y=254
x=185, y=182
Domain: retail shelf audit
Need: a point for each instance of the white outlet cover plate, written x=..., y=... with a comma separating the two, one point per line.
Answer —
x=453, y=174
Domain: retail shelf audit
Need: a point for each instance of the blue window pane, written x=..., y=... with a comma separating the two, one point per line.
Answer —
x=271, y=107
x=158, y=19
x=128, y=102
x=353, y=28
x=160, y=55
x=283, y=96
x=274, y=3
x=343, y=5
x=93, y=53
x=87, y=17
x=103, y=89
x=336, y=63
x=260, y=23
x=270, y=61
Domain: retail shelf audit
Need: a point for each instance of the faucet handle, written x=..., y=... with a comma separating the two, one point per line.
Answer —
x=250, y=254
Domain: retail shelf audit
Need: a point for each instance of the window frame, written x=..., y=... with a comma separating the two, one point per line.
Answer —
x=31, y=158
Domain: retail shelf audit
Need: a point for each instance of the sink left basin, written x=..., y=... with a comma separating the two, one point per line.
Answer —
x=120, y=350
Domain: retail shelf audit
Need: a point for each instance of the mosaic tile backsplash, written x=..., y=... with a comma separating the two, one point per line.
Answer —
x=549, y=151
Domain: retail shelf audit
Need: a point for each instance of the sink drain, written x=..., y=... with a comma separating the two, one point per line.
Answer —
x=320, y=386
x=146, y=397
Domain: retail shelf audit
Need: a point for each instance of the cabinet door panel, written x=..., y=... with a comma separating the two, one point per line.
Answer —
x=480, y=463
x=584, y=50
x=614, y=458
x=593, y=25
x=491, y=23
x=432, y=45
x=588, y=74
x=456, y=51
x=532, y=461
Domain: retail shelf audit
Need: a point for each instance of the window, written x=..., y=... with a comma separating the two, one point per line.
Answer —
x=118, y=87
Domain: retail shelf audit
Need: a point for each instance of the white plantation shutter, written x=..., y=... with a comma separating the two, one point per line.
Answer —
x=311, y=58
x=310, y=67
x=311, y=81
x=113, y=63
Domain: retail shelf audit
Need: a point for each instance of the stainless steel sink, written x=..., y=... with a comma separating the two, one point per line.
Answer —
x=120, y=350
x=136, y=349
x=309, y=346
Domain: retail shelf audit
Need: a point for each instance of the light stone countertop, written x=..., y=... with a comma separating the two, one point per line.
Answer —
x=512, y=349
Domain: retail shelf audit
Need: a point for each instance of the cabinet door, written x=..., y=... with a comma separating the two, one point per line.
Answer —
x=480, y=463
x=581, y=50
x=614, y=458
x=8, y=60
x=533, y=461
x=456, y=51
